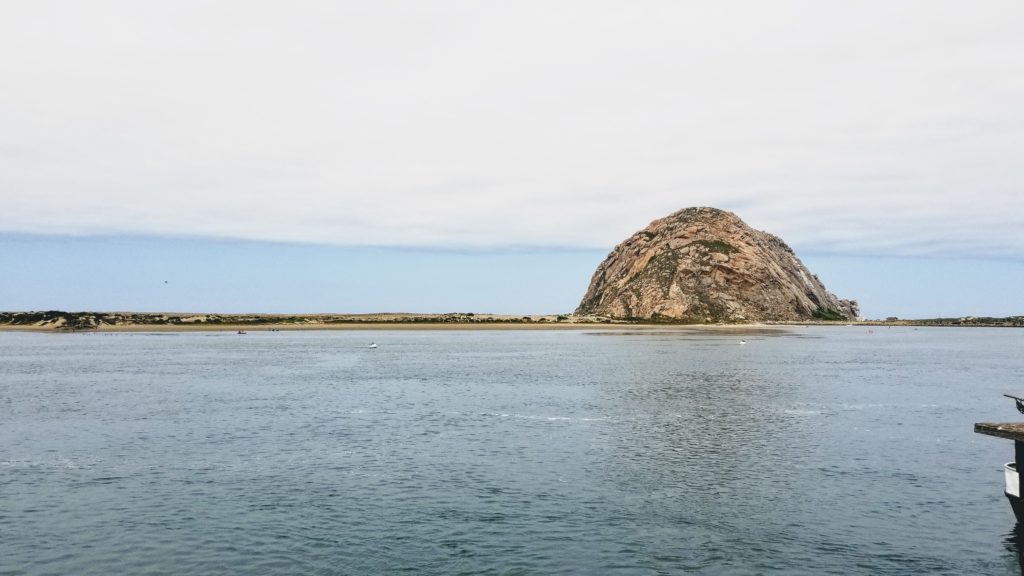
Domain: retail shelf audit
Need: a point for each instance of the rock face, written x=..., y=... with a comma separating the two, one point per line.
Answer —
x=707, y=265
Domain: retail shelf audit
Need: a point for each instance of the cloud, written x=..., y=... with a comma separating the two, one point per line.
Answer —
x=867, y=128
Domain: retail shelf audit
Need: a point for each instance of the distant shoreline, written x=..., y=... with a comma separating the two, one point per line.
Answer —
x=393, y=325
x=60, y=321
x=313, y=327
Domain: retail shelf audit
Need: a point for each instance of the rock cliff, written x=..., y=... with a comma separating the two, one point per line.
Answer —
x=707, y=265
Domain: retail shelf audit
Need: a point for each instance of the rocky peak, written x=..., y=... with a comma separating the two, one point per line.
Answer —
x=707, y=265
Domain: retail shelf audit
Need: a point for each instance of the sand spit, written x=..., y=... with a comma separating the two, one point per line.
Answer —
x=58, y=321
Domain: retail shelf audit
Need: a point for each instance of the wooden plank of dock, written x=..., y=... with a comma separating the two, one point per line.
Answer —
x=1009, y=430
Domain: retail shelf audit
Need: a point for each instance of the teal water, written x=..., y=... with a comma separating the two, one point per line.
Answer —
x=811, y=451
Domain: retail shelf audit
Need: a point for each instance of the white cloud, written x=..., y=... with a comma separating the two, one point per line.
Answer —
x=869, y=127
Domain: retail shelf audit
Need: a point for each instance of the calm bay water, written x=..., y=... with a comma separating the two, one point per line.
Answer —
x=810, y=451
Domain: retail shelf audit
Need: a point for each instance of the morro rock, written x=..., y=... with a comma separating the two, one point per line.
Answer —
x=707, y=265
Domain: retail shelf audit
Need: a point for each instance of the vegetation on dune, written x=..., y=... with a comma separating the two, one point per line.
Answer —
x=62, y=320
x=828, y=314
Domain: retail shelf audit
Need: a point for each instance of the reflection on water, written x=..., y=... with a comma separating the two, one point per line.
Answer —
x=704, y=332
x=1014, y=542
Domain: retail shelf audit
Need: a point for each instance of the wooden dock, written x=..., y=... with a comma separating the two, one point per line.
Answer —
x=1009, y=430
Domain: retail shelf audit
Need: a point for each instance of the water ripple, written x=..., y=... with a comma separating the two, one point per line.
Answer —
x=641, y=452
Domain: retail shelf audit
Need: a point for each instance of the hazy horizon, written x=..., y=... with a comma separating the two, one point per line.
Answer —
x=146, y=274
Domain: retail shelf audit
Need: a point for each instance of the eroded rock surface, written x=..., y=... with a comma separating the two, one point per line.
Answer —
x=707, y=265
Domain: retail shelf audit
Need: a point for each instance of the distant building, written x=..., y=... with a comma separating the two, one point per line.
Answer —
x=891, y=319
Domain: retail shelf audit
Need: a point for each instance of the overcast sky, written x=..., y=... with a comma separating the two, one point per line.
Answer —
x=857, y=128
